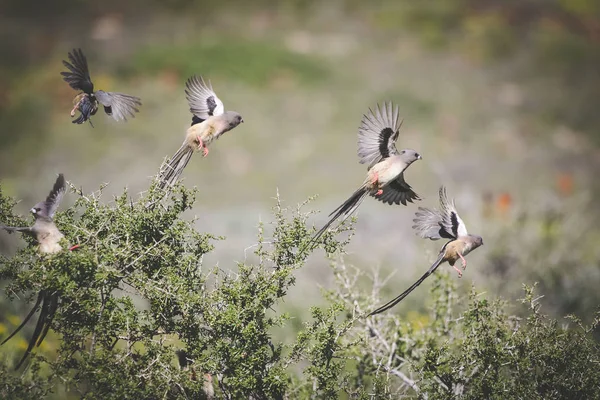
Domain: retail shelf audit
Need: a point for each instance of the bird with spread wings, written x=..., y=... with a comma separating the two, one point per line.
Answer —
x=118, y=105
x=440, y=224
x=377, y=135
x=209, y=122
x=48, y=237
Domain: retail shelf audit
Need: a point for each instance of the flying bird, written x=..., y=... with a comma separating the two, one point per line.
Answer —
x=377, y=136
x=48, y=237
x=118, y=105
x=209, y=122
x=441, y=224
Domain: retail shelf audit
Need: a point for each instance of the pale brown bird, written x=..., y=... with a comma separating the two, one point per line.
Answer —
x=44, y=230
x=437, y=224
x=209, y=122
x=377, y=135
x=48, y=237
x=118, y=105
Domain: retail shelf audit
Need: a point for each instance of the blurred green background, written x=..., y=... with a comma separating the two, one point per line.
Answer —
x=499, y=96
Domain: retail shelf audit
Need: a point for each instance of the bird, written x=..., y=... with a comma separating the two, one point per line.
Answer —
x=440, y=224
x=48, y=238
x=209, y=122
x=118, y=105
x=377, y=135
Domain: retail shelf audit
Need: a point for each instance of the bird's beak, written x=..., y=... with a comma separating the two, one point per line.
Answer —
x=419, y=158
x=242, y=121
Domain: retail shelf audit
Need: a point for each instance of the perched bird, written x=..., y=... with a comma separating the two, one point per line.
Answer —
x=434, y=225
x=118, y=105
x=377, y=135
x=48, y=237
x=209, y=122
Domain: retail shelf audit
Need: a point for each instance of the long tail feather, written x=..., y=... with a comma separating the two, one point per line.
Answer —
x=398, y=299
x=27, y=318
x=345, y=210
x=39, y=327
x=53, y=299
x=173, y=169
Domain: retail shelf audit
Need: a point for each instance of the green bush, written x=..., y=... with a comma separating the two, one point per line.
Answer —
x=141, y=317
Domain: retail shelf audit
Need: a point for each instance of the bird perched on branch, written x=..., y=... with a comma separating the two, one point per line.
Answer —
x=437, y=224
x=377, y=136
x=48, y=237
x=118, y=105
x=209, y=122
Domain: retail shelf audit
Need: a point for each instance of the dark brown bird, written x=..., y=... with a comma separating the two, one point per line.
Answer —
x=48, y=237
x=118, y=105
x=437, y=224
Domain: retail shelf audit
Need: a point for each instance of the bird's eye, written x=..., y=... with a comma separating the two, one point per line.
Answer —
x=403, y=151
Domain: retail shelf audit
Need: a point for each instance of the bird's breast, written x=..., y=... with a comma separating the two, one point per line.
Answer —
x=203, y=131
x=48, y=238
x=388, y=170
x=452, y=251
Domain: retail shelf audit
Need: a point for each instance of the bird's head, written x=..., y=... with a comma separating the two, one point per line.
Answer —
x=477, y=241
x=409, y=156
x=39, y=210
x=233, y=119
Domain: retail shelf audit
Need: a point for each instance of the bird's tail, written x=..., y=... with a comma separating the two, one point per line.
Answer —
x=344, y=210
x=398, y=299
x=172, y=170
x=49, y=304
x=27, y=318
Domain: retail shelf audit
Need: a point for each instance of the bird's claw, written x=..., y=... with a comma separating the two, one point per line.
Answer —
x=375, y=178
x=379, y=192
x=202, y=146
x=458, y=271
x=463, y=261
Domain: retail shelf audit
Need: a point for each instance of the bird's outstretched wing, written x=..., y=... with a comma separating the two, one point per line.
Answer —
x=23, y=229
x=378, y=133
x=50, y=205
x=79, y=76
x=437, y=224
x=397, y=192
x=202, y=99
x=118, y=105
x=401, y=297
x=451, y=220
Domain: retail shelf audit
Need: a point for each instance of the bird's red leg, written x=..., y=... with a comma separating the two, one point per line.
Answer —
x=202, y=146
x=458, y=270
x=374, y=182
x=75, y=109
x=74, y=247
x=464, y=262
